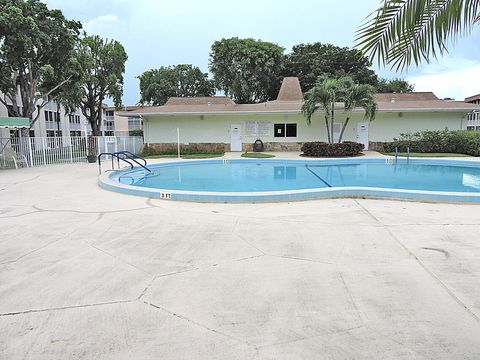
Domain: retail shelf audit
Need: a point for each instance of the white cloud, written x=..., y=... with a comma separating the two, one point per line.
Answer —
x=457, y=82
x=103, y=25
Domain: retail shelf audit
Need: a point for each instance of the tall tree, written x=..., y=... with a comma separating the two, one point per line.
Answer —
x=402, y=31
x=310, y=61
x=36, y=55
x=247, y=70
x=327, y=93
x=396, y=85
x=157, y=85
x=102, y=64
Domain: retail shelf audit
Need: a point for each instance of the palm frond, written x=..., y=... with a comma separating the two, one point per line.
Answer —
x=404, y=31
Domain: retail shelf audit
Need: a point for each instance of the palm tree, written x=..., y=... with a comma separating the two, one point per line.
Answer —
x=323, y=96
x=402, y=31
x=328, y=92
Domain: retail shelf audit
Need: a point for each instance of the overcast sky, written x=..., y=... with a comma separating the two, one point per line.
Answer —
x=160, y=33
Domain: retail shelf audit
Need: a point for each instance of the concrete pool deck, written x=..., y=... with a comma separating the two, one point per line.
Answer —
x=87, y=273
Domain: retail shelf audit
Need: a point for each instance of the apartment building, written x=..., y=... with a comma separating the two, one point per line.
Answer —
x=55, y=121
x=114, y=124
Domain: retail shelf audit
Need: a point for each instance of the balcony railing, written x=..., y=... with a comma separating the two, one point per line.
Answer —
x=473, y=121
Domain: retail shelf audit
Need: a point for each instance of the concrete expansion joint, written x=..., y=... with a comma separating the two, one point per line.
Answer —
x=144, y=291
x=435, y=278
x=178, y=272
x=247, y=242
x=39, y=209
x=66, y=307
x=301, y=259
x=430, y=224
x=367, y=211
x=193, y=322
x=118, y=258
x=334, y=333
x=25, y=181
x=30, y=252
x=422, y=265
x=19, y=215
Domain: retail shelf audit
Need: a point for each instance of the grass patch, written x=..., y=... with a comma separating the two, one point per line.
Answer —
x=416, y=154
x=255, y=155
x=159, y=156
x=202, y=156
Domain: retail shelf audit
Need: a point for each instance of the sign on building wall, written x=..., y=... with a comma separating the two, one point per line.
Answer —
x=258, y=128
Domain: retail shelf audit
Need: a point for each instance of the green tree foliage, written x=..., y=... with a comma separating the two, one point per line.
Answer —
x=394, y=86
x=158, y=85
x=36, y=55
x=326, y=93
x=309, y=61
x=102, y=65
x=402, y=31
x=247, y=70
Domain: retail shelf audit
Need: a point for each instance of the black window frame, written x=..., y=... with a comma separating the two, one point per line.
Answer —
x=292, y=129
x=289, y=130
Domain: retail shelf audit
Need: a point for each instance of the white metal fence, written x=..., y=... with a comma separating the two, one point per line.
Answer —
x=39, y=151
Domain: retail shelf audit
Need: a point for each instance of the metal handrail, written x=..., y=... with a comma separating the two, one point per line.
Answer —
x=136, y=156
x=112, y=155
x=126, y=154
x=123, y=155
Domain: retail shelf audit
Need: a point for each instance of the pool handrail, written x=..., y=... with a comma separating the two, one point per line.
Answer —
x=112, y=155
x=133, y=157
x=123, y=155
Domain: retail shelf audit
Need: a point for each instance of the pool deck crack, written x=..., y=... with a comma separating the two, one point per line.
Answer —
x=422, y=265
x=193, y=322
x=118, y=258
x=142, y=294
x=30, y=311
x=39, y=209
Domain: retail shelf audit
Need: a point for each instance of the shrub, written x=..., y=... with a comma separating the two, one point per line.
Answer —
x=137, y=132
x=440, y=141
x=192, y=150
x=322, y=149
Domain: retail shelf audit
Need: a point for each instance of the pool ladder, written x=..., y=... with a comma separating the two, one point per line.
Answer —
x=125, y=156
x=396, y=155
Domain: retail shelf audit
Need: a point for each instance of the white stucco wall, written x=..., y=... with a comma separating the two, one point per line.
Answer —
x=216, y=128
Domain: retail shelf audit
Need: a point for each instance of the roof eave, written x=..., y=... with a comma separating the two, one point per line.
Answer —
x=132, y=114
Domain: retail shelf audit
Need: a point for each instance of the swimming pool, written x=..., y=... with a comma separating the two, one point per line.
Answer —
x=254, y=180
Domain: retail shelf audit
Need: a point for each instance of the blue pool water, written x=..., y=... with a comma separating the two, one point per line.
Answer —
x=278, y=175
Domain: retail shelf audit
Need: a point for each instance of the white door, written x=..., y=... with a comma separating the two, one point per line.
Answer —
x=362, y=134
x=235, y=137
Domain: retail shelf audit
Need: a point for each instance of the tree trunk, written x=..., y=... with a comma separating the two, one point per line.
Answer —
x=92, y=146
x=332, y=118
x=95, y=128
x=343, y=129
x=328, y=128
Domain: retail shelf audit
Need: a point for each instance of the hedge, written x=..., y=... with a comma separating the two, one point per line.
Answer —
x=441, y=141
x=322, y=149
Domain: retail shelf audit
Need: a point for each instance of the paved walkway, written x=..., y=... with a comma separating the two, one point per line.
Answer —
x=91, y=274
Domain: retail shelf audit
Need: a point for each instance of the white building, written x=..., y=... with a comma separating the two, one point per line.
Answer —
x=219, y=124
x=54, y=121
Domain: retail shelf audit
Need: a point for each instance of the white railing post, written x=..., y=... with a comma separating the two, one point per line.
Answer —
x=30, y=151
x=44, y=151
x=71, y=150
